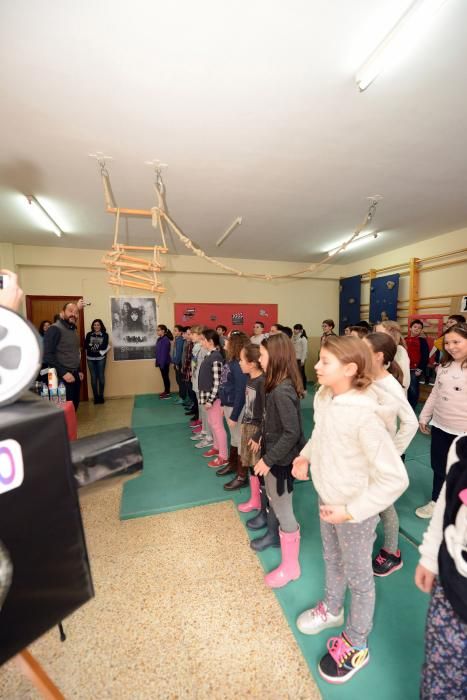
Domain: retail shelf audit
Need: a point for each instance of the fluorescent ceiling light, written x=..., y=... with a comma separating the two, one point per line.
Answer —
x=360, y=240
x=401, y=36
x=42, y=216
x=232, y=226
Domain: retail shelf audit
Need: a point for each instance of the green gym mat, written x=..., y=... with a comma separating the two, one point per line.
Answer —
x=396, y=642
x=176, y=477
x=175, y=474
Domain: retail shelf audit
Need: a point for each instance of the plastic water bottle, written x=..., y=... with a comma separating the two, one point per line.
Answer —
x=44, y=391
x=61, y=393
x=52, y=378
x=53, y=395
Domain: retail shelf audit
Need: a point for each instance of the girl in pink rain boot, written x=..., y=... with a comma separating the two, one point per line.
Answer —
x=281, y=442
x=251, y=427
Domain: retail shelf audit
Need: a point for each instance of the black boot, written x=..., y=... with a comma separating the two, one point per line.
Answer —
x=240, y=480
x=271, y=538
x=231, y=467
x=261, y=520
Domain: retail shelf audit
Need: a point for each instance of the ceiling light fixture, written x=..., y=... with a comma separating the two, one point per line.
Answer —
x=361, y=239
x=410, y=25
x=42, y=216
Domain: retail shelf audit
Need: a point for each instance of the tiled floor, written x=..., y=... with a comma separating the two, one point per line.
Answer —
x=181, y=610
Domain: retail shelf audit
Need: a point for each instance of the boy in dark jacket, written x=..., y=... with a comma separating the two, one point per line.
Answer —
x=418, y=351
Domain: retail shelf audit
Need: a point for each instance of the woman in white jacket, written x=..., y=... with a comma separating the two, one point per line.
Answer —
x=387, y=375
x=358, y=473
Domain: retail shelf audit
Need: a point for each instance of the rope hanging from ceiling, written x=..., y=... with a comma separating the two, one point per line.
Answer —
x=141, y=273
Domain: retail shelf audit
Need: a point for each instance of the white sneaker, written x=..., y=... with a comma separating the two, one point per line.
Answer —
x=198, y=436
x=318, y=619
x=426, y=511
x=204, y=443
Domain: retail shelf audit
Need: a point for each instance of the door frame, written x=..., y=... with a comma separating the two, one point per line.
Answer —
x=49, y=297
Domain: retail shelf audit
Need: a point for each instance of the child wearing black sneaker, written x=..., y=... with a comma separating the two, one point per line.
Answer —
x=388, y=376
x=357, y=473
x=442, y=571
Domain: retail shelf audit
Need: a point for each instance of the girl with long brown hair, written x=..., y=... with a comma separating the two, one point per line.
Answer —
x=281, y=441
x=357, y=473
x=232, y=396
x=387, y=375
x=250, y=434
x=393, y=329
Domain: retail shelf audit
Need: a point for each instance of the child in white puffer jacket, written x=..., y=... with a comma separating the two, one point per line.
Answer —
x=358, y=473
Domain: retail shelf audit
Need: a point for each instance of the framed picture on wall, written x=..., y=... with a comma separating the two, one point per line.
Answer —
x=134, y=323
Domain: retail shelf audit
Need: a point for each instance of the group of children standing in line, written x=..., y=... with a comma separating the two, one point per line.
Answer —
x=363, y=425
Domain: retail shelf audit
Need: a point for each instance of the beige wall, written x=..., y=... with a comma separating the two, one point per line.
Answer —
x=450, y=280
x=187, y=279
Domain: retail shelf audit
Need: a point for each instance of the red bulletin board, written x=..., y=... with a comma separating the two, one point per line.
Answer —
x=240, y=317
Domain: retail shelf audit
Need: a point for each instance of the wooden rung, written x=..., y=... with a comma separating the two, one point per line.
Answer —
x=134, y=275
x=134, y=266
x=131, y=258
x=135, y=285
x=130, y=212
x=160, y=248
x=137, y=263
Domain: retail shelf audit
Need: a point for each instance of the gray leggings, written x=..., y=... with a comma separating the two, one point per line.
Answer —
x=281, y=505
x=390, y=523
x=347, y=557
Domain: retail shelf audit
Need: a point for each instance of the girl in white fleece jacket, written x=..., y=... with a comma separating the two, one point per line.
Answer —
x=387, y=375
x=357, y=472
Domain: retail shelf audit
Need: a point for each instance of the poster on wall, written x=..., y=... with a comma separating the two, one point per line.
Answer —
x=134, y=323
x=241, y=317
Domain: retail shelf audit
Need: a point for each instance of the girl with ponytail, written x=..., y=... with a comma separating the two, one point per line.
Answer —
x=357, y=473
x=387, y=375
x=393, y=329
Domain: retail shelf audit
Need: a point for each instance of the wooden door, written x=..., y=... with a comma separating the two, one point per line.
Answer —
x=42, y=308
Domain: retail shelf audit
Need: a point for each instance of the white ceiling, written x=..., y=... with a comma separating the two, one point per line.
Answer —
x=254, y=107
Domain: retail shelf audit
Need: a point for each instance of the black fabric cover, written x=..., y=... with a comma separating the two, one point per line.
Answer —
x=453, y=582
x=105, y=454
x=41, y=528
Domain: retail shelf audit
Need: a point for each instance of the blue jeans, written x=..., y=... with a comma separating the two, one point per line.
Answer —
x=414, y=389
x=97, y=371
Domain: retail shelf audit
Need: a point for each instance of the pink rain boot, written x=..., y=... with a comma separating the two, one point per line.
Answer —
x=254, y=502
x=289, y=568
